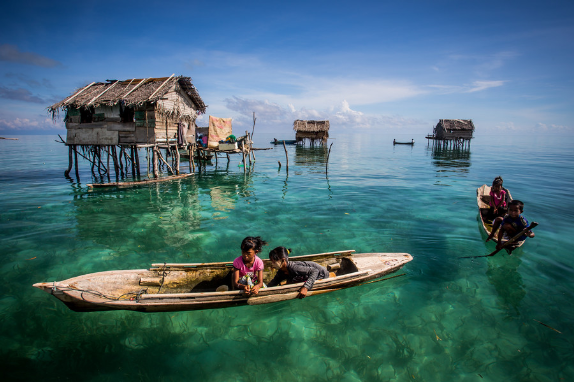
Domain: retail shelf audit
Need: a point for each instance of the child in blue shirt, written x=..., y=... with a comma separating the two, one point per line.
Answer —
x=513, y=223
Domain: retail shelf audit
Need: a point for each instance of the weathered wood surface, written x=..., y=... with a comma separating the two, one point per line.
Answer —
x=176, y=287
x=138, y=183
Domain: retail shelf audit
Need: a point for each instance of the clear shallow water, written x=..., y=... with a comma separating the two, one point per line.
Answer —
x=447, y=319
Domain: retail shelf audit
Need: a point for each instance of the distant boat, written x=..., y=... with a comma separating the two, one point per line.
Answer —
x=168, y=287
x=10, y=139
x=412, y=142
x=286, y=141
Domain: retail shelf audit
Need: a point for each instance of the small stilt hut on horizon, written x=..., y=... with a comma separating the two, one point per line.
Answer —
x=454, y=133
x=119, y=117
x=317, y=132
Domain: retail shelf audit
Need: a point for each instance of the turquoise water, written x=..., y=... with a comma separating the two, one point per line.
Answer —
x=446, y=319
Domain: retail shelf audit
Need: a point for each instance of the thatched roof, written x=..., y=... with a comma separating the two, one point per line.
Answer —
x=129, y=92
x=310, y=126
x=456, y=124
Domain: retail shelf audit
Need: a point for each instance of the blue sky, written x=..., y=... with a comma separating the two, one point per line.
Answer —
x=382, y=65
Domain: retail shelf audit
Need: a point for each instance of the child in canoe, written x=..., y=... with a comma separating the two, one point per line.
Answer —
x=248, y=268
x=295, y=271
x=513, y=223
x=498, y=197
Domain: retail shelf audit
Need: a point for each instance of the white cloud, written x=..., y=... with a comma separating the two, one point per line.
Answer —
x=553, y=127
x=341, y=115
x=27, y=124
x=483, y=85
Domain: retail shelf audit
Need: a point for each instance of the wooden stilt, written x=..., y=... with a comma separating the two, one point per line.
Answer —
x=115, y=159
x=190, y=159
x=137, y=158
x=70, y=161
x=154, y=161
x=177, y=159
x=133, y=161
x=76, y=164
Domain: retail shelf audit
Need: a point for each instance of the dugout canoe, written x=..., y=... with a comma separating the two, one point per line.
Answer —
x=483, y=200
x=412, y=142
x=287, y=142
x=169, y=287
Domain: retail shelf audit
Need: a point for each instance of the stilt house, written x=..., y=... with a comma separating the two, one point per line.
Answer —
x=314, y=131
x=150, y=113
x=455, y=129
x=132, y=112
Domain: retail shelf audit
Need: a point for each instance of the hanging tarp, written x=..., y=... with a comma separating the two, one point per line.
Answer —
x=219, y=129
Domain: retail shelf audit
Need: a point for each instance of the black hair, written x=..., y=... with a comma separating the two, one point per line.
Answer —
x=254, y=243
x=279, y=253
x=516, y=202
x=497, y=180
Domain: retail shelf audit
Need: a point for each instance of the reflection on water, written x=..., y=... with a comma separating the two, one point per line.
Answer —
x=313, y=157
x=450, y=161
x=159, y=215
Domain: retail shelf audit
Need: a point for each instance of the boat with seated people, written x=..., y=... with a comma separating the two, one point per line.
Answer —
x=194, y=286
x=483, y=200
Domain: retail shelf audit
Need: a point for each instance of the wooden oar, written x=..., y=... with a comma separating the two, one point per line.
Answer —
x=507, y=244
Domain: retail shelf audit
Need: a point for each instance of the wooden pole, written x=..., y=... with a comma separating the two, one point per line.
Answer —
x=243, y=152
x=327, y=163
x=115, y=159
x=137, y=158
x=286, y=157
x=70, y=161
x=154, y=161
x=76, y=164
x=177, y=159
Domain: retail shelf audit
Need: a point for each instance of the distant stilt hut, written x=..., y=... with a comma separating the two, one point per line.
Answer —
x=317, y=132
x=452, y=133
x=114, y=119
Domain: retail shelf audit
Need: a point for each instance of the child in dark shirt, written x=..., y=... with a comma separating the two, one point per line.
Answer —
x=513, y=223
x=295, y=271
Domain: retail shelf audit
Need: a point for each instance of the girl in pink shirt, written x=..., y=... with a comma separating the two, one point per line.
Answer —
x=497, y=199
x=248, y=268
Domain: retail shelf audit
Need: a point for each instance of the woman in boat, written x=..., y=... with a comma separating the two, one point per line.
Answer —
x=248, y=272
x=295, y=271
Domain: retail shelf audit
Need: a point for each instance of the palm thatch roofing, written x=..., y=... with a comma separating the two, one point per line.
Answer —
x=131, y=93
x=456, y=124
x=310, y=126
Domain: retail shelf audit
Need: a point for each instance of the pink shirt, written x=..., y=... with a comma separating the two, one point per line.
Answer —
x=498, y=199
x=244, y=271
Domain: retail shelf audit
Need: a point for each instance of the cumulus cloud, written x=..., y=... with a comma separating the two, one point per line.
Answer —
x=16, y=125
x=11, y=53
x=341, y=115
x=19, y=95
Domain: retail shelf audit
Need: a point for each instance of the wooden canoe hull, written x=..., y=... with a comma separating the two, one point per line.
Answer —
x=286, y=141
x=482, y=201
x=181, y=287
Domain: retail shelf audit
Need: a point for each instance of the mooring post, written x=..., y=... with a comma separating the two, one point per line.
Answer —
x=286, y=157
x=327, y=163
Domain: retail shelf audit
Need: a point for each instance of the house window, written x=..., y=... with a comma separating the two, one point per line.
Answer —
x=127, y=113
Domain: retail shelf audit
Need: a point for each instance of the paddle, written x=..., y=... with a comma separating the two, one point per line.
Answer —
x=507, y=244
